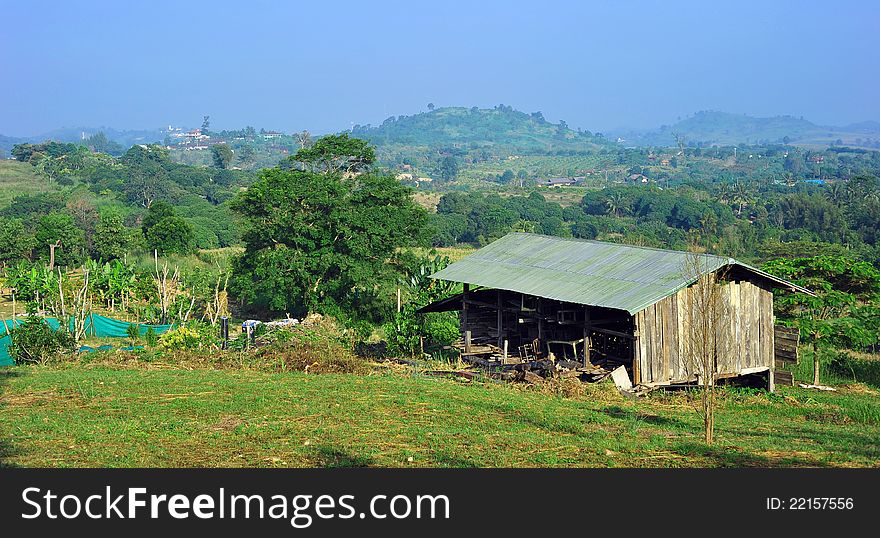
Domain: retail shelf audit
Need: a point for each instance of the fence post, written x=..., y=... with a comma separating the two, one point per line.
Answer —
x=224, y=332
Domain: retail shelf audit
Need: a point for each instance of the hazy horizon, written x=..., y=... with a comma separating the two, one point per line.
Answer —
x=599, y=67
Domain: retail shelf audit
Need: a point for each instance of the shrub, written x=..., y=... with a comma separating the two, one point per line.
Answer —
x=151, y=337
x=317, y=345
x=190, y=337
x=34, y=341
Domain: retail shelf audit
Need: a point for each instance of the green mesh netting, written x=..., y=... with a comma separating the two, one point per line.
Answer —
x=97, y=325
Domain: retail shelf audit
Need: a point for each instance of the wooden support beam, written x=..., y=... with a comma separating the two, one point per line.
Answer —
x=588, y=326
x=464, y=307
x=540, y=322
x=614, y=333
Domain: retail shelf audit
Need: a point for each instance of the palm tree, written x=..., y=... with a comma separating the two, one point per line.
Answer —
x=724, y=192
x=616, y=204
x=741, y=196
x=836, y=194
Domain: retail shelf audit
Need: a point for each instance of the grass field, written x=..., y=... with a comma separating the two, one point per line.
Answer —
x=534, y=165
x=149, y=415
x=17, y=178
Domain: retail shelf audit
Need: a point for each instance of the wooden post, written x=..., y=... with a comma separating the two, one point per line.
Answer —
x=587, y=330
x=398, y=300
x=540, y=322
x=504, y=357
x=464, y=308
x=467, y=341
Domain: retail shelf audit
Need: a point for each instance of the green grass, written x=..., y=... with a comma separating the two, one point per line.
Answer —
x=17, y=178
x=65, y=416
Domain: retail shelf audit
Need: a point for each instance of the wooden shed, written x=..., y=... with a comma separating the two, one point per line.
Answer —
x=606, y=304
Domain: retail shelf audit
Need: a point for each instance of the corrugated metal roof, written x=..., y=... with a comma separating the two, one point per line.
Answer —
x=585, y=272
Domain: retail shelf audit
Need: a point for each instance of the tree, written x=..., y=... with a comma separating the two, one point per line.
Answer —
x=146, y=174
x=155, y=213
x=16, y=243
x=321, y=242
x=206, y=124
x=449, y=168
x=430, y=106
x=246, y=154
x=166, y=232
x=837, y=194
x=59, y=229
x=616, y=204
x=742, y=196
x=841, y=286
x=222, y=156
x=334, y=154
x=171, y=235
x=706, y=353
x=85, y=216
x=304, y=139
x=111, y=238
x=794, y=163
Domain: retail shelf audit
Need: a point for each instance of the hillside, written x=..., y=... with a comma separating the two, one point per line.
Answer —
x=471, y=128
x=712, y=127
x=20, y=178
x=125, y=138
x=723, y=128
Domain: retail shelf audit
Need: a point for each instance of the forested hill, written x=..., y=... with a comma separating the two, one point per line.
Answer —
x=722, y=128
x=471, y=128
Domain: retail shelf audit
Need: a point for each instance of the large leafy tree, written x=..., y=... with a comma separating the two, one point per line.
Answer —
x=16, y=242
x=336, y=154
x=59, y=229
x=112, y=238
x=166, y=232
x=222, y=155
x=844, y=307
x=323, y=241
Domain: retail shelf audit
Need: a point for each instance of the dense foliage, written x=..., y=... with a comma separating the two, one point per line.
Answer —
x=323, y=241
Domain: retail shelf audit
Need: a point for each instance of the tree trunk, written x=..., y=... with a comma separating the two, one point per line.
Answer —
x=815, y=361
x=709, y=411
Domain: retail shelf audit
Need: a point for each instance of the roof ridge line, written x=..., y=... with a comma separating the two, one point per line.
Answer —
x=596, y=241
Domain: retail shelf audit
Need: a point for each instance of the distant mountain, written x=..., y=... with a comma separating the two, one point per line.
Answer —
x=864, y=127
x=723, y=128
x=125, y=138
x=501, y=127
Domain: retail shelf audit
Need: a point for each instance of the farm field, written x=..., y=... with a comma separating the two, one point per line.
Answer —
x=125, y=415
x=545, y=166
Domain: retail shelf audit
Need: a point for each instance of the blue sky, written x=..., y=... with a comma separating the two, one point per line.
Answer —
x=323, y=65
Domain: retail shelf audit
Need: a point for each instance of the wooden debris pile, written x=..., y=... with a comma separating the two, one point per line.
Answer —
x=539, y=370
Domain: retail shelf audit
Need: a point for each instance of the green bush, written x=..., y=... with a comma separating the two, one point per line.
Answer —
x=190, y=337
x=151, y=337
x=440, y=329
x=35, y=342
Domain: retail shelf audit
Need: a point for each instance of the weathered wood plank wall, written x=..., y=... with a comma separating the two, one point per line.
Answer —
x=666, y=332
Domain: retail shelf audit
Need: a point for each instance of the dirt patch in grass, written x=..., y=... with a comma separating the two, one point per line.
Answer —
x=228, y=423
